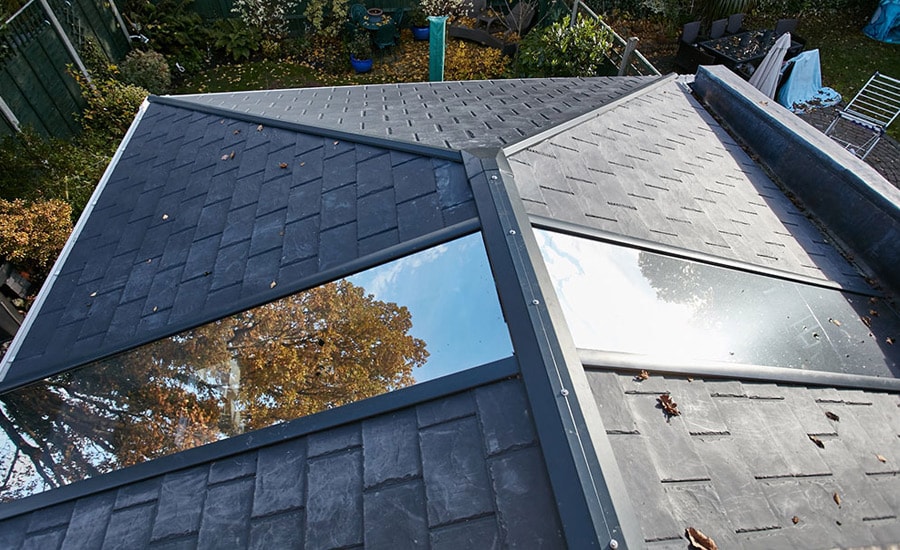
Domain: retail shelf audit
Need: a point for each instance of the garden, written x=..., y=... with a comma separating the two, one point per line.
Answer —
x=269, y=44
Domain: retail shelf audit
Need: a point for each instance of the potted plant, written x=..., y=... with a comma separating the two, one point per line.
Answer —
x=360, y=48
x=419, y=23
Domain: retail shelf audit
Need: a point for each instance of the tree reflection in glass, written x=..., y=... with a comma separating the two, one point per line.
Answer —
x=305, y=353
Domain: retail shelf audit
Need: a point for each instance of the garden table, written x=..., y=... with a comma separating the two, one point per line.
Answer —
x=744, y=47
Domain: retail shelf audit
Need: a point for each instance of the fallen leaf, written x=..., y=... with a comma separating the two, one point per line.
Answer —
x=795, y=519
x=867, y=321
x=93, y=294
x=302, y=164
x=225, y=157
x=837, y=499
x=880, y=458
x=155, y=308
x=643, y=375
x=699, y=541
x=690, y=379
x=835, y=322
x=889, y=340
x=336, y=142
x=668, y=406
x=236, y=132
x=873, y=313
x=832, y=416
x=273, y=284
x=165, y=216
x=259, y=128
x=817, y=441
x=283, y=165
x=231, y=156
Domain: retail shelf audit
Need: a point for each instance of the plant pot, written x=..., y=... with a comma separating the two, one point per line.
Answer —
x=361, y=65
x=375, y=15
x=420, y=33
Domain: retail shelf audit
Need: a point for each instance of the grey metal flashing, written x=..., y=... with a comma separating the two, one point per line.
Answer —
x=9, y=115
x=577, y=230
x=590, y=492
x=325, y=420
x=577, y=121
x=229, y=308
x=64, y=253
x=361, y=139
x=611, y=360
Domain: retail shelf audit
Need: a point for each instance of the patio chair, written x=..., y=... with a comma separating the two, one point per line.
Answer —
x=870, y=113
x=690, y=32
x=357, y=13
x=520, y=16
x=785, y=25
x=689, y=55
x=385, y=37
x=717, y=29
x=735, y=23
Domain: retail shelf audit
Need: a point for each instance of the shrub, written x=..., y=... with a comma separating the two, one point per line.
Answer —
x=111, y=107
x=146, y=70
x=450, y=8
x=560, y=50
x=235, y=38
x=174, y=30
x=268, y=16
x=326, y=17
x=38, y=168
x=360, y=46
x=33, y=234
x=467, y=61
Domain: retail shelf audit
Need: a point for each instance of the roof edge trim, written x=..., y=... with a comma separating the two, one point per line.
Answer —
x=70, y=243
x=613, y=360
x=576, y=230
x=383, y=143
x=527, y=142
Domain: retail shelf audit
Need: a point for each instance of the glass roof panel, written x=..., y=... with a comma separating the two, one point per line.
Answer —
x=627, y=300
x=407, y=321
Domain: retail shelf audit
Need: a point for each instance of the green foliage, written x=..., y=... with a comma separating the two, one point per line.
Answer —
x=449, y=8
x=33, y=233
x=235, y=38
x=561, y=50
x=710, y=10
x=174, y=30
x=267, y=16
x=111, y=107
x=418, y=17
x=146, y=70
x=37, y=168
x=326, y=53
x=360, y=45
x=327, y=17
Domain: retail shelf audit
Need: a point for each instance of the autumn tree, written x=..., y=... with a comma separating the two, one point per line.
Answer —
x=305, y=353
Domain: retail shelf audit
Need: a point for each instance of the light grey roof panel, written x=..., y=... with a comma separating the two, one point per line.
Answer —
x=660, y=168
x=455, y=115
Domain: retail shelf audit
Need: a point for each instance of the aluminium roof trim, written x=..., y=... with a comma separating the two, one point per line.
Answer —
x=615, y=360
x=527, y=142
x=70, y=243
x=576, y=230
x=360, y=139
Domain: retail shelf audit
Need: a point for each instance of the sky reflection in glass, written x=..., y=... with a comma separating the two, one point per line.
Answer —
x=626, y=300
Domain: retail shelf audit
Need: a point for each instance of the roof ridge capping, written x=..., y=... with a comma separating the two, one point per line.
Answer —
x=358, y=138
x=529, y=141
x=857, y=205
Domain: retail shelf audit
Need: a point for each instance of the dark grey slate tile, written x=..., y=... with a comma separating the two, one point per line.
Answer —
x=268, y=231
x=338, y=170
x=180, y=503
x=183, y=543
x=283, y=530
x=45, y=540
x=280, y=477
x=377, y=242
x=12, y=532
x=226, y=515
x=336, y=439
x=190, y=298
x=395, y=517
x=525, y=504
x=202, y=257
x=129, y=528
x=338, y=206
x=337, y=245
x=419, y=216
x=452, y=183
x=376, y=213
x=755, y=436
x=233, y=467
x=475, y=533
x=138, y=493
x=53, y=516
x=697, y=504
x=610, y=398
x=274, y=193
x=413, y=178
x=301, y=240
x=334, y=507
x=373, y=173
x=238, y=227
x=456, y=481
x=444, y=409
x=89, y=521
x=811, y=500
x=644, y=487
x=505, y=416
x=390, y=448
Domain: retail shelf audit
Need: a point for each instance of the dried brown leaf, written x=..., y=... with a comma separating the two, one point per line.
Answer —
x=283, y=165
x=835, y=322
x=302, y=164
x=880, y=458
x=867, y=321
x=259, y=128
x=225, y=157
x=165, y=216
x=873, y=312
x=273, y=284
x=795, y=520
x=699, y=541
x=641, y=376
x=231, y=156
x=837, y=499
x=817, y=441
x=889, y=340
x=236, y=132
x=668, y=406
x=93, y=294
x=832, y=416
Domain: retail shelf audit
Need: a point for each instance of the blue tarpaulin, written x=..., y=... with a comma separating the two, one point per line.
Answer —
x=885, y=23
x=803, y=90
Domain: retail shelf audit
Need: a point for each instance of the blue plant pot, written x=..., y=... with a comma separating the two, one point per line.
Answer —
x=361, y=65
x=420, y=33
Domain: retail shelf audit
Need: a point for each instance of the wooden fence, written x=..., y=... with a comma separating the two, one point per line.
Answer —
x=38, y=45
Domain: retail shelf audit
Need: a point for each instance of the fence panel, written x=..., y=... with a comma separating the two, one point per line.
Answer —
x=92, y=18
